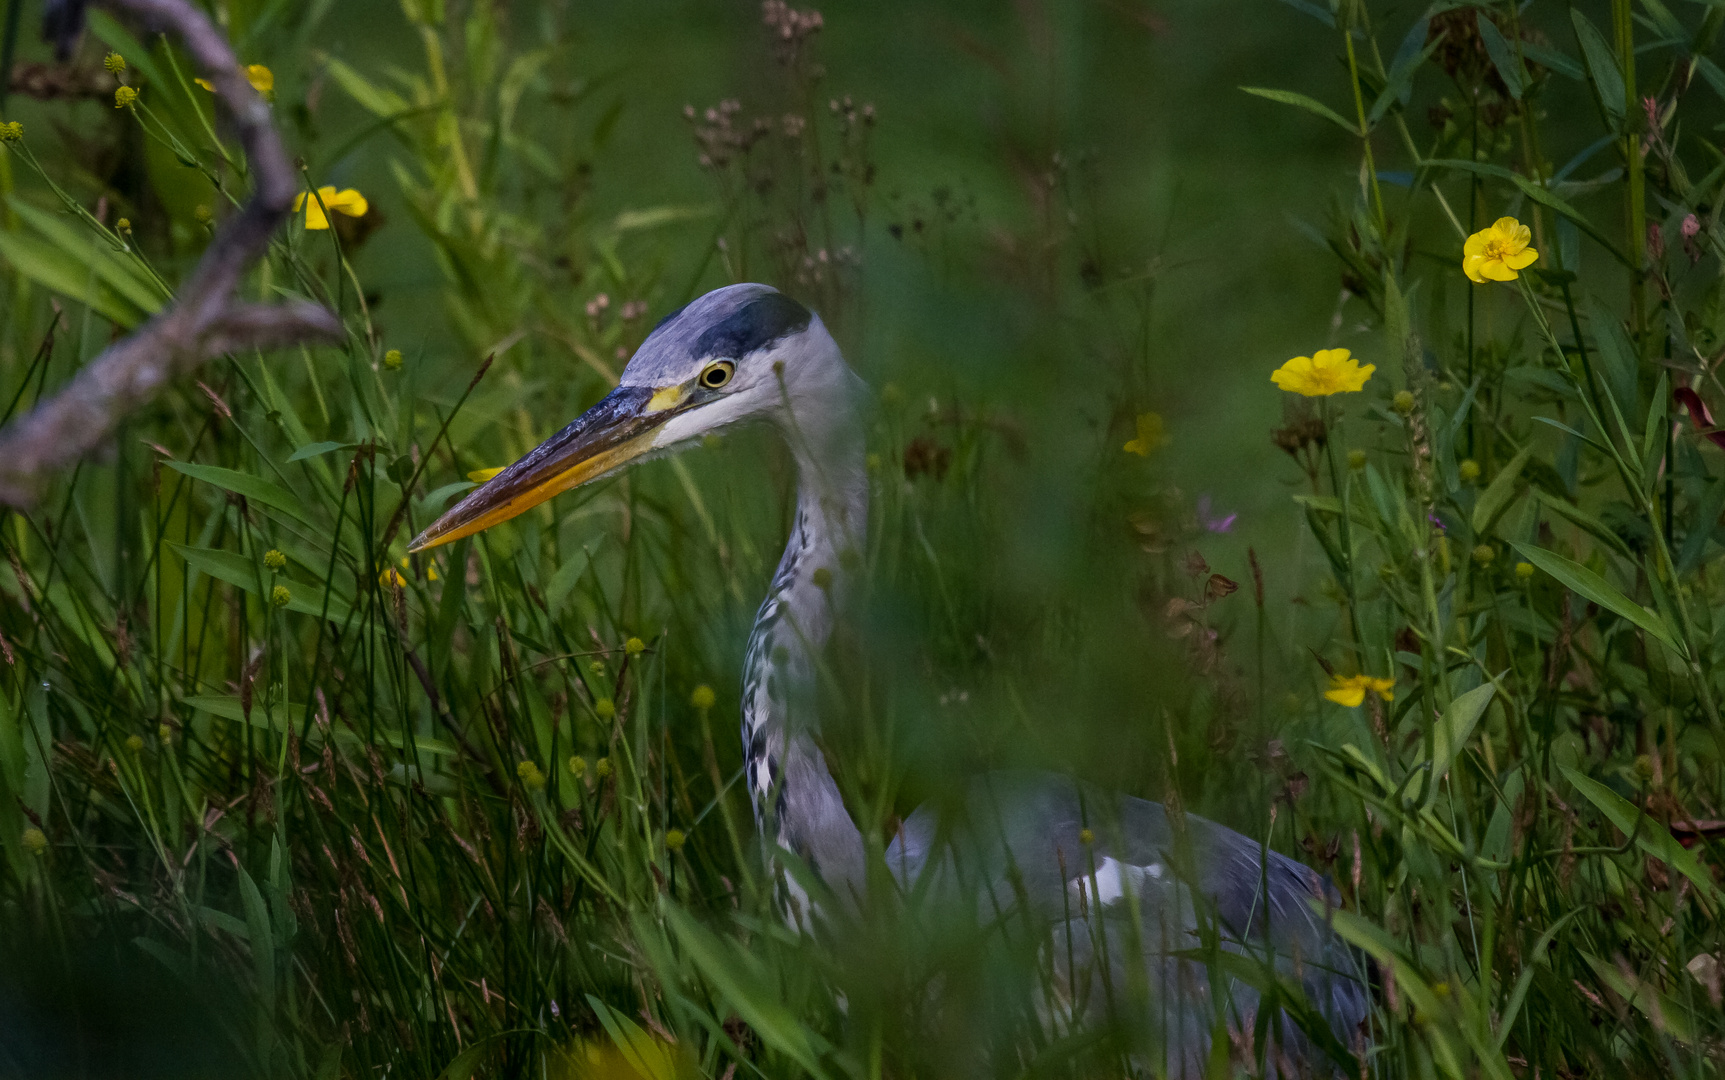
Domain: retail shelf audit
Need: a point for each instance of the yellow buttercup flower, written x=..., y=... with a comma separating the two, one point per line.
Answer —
x=430, y=569
x=347, y=201
x=1351, y=690
x=391, y=578
x=1325, y=372
x=124, y=96
x=263, y=80
x=11, y=132
x=703, y=697
x=1495, y=254
x=530, y=775
x=1152, y=432
x=114, y=62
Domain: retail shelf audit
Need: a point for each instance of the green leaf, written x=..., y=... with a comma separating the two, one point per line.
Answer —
x=1602, y=67
x=1496, y=496
x=655, y=217
x=1400, y=82
x=98, y=254
x=1666, y=1013
x=315, y=449
x=1503, y=57
x=1578, y=578
x=1311, y=105
x=1507, y=1023
x=378, y=102
x=437, y=497
x=281, y=716
x=1323, y=15
x=1452, y=732
x=243, y=573
x=1593, y=526
x=466, y=1063
x=742, y=984
x=1617, y=355
x=1548, y=57
x=60, y=272
x=254, y=488
x=564, y=580
x=1650, y=836
x=262, y=942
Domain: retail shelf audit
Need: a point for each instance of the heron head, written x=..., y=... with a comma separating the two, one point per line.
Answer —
x=740, y=353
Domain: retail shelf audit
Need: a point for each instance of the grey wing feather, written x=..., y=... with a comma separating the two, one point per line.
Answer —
x=1016, y=837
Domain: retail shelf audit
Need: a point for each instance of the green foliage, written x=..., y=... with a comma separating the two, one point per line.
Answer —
x=420, y=810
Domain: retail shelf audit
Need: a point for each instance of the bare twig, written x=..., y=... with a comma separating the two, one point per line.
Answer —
x=205, y=320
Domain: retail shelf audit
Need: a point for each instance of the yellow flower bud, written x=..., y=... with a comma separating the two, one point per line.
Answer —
x=577, y=765
x=530, y=775
x=604, y=708
x=35, y=841
x=1469, y=470
x=1403, y=402
x=1086, y=837
x=634, y=646
x=123, y=226
x=203, y=214
x=114, y=62
x=274, y=559
x=1484, y=554
x=124, y=97
x=392, y=359
x=674, y=839
x=135, y=743
x=1524, y=570
x=164, y=734
x=602, y=768
x=703, y=697
x=1356, y=459
x=279, y=596
x=11, y=132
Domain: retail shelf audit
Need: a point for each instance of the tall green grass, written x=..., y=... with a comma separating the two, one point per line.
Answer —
x=475, y=813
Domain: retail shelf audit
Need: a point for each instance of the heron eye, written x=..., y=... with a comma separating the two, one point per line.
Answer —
x=718, y=374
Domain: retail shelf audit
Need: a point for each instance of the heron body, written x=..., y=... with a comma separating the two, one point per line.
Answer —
x=1143, y=888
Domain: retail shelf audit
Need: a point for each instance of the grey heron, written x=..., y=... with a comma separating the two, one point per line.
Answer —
x=1153, y=883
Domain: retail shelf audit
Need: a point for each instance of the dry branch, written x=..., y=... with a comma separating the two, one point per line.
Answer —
x=205, y=319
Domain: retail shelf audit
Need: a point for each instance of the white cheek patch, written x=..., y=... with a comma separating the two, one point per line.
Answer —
x=700, y=420
x=1112, y=879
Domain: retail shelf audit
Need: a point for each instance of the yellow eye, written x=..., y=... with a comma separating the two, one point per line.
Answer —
x=717, y=374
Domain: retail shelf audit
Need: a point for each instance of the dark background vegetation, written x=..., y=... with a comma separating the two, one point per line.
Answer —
x=1056, y=217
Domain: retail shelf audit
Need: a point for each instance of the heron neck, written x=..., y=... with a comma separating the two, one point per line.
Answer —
x=797, y=802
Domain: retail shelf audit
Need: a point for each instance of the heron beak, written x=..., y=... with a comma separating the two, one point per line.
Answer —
x=606, y=437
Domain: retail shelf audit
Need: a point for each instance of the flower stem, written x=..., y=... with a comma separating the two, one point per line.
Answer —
x=1635, y=210
x=1365, y=134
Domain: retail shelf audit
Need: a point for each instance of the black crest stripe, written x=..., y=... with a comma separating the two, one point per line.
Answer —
x=755, y=325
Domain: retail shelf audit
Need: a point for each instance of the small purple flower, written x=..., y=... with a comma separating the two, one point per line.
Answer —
x=1433, y=518
x=1221, y=524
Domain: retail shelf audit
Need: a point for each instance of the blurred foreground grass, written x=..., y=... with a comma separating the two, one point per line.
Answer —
x=478, y=811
